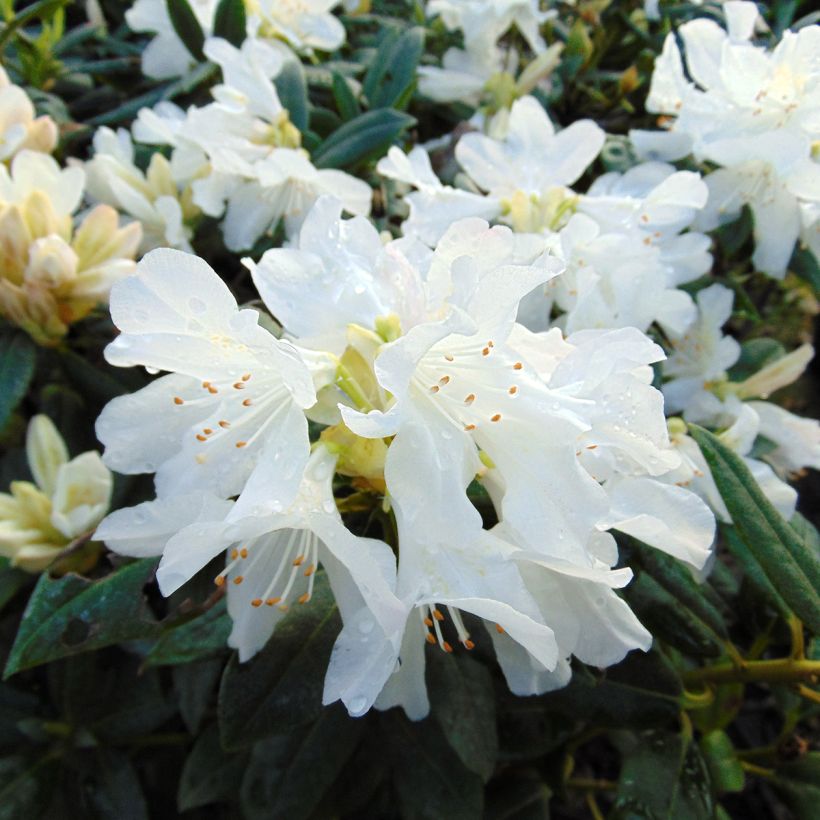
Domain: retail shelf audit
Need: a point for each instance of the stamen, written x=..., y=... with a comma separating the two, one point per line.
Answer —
x=485, y=351
x=240, y=444
x=309, y=571
x=206, y=385
x=243, y=552
x=298, y=560
x=496, y=417
x=434, y=388
x=499, y=629
x=430, y=637
x=178, y=400
x=448, y=357
x=428, y=622
x=469, y=427
x=239, y=386
x=303, y=599
x=446, y=647
x=212, y=389
x=234, y=554
x=470, y=399
x=246, y=377
x=513, y=390
x=224, y=424
x=256, y=602
x=247, y=403
x=592, y=446
x=272, y=601
x=200, y=437
x=444, y=380
x=438, y=615
x=239, y=579
x=207, y=431
x=517, y=366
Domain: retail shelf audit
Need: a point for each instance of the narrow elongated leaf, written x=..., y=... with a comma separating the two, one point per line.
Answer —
x=71, y=614
x=667, y=617
x=187, y=27
x=678, y=581
x=429, y=778
x=362, y=138
x=292, y=90
x=195, y=689
x=18, y=355
x=463, y=702
x=664, y=778
x=346, y=103
x=282, y=686
x=787, y=559
x=752, y=571
x=230, y=21
x=724, y=768
x=798, y=782
x=393, y=71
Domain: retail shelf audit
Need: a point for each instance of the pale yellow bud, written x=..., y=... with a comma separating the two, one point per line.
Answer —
x=51, y=263
x=778, y=374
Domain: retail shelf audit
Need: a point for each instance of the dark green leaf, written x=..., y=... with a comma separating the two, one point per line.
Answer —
x=461, y=691
x=18, y=355
x=15, y=706
x=641, y=691
x=282, y=686
x=25, y=786
x=787, y=560
x=314, y=756
x=292, y=90
x=187, y=27
x=668, y=618
x=113, y=788
x=799, y=784
x=195, y=687
x=663, y=777
x=429, y=778
x=721, y=759
x=393, y=71
x=362, y=138
x=71, y=614
x=805, y=264
x=755, y=354
x=677, y=579
x=202, y=637
x=210, y=775
x=230, y=21
x=346, y=102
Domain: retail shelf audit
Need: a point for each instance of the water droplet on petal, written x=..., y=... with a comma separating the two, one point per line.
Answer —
x=197, y=305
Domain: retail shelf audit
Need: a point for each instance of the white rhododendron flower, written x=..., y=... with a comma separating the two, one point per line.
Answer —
x=751, y=111
x=153, y=197
x=51, y=273
x=241, y=155
x=67, y=499
x=20, y=128
x=304, y=25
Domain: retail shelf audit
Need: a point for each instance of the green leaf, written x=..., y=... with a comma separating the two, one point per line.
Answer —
x=393, y=71
x=187, y=27
x=25, y=786
x=429, y=778
x=367, y=136
x=663, y=777
x=71, y=614
x=292, y=90
x=755, y=354
x=295, y=780
x=787, y=560
x=679, y=582
x=721, y=759
x=798, y=783
x=463, y=703
x=641, y=691
x=668, y=618
x=230, y=21
x=281, y=687
x=210, y=775
x=18, y=355
x=202, y=637
x=195, y=687
x=346, y=103
x=805, y=265
x=112, y=787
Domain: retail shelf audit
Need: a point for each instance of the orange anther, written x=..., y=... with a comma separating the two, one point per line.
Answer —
x=240, y=444
x=234, y=554
x=303, y=599
x=272, y=601
x=247, y=403
x=239, y=386
x=224, y=423
x=207, y=431
x=446, y=647
x=496, y=417
x=513, y=390
x=178, y=400
x=468, y=644
x=517, y=366
x=470, y=399
x=200, y=437
x=246, y=377
x=256, y=602
x=239, y=579
x=428, y=622
x=499, y=629
x=219, y=580
x=212, y=389
x=310, y=570
x=469, y=427
x=243, y=552
x=430, y=638
x=437, y=615
x=299, y=560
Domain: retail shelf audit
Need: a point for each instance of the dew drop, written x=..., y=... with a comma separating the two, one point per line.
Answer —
x=328, y=505
x=366, y=626
x=197, y=305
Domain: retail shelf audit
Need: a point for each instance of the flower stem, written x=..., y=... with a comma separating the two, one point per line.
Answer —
x=782, y=670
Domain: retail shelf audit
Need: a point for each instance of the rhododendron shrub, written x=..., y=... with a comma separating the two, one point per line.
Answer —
x=408, y=409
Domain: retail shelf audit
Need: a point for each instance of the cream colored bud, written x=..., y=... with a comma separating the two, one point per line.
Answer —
x=778, y=374
x=52, y=263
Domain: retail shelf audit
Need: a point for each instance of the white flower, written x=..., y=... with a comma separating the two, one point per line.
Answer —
x=153, y=197
x=241, y=154
x=67, y=500
x=751, y=111
x=19, y=128
x=303, y=24
x=524, y=175
x=229, y=416
x=272, y=558
x=484, y=22
x=797, y=439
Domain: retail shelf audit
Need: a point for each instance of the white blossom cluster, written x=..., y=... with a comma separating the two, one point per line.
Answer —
x=523, y=338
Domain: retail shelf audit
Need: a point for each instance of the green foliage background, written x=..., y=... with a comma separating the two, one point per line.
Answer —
x=118, y=703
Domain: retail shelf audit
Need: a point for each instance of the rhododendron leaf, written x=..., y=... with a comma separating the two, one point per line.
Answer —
x=346, y=102
x=202, y=637
x=71, y=614
x=463, y=703
x=187, y=27
x=210, y=775
x=664, y=777
x=797, y=782
x=724, y=767
x=393, y=69
x=292, y=90
x=791, y=565
x=282, y=686
x=230, y=21
x=18, y=355
x=364, y=137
